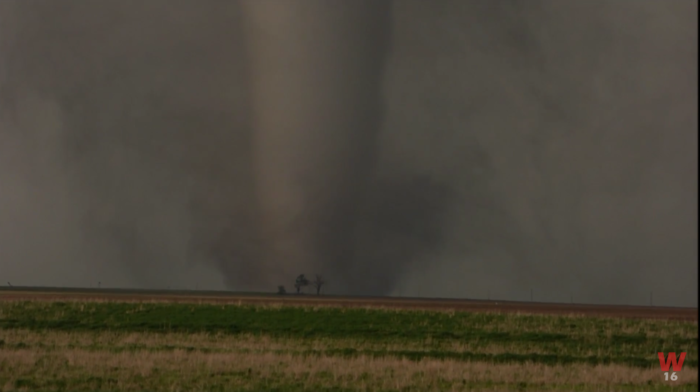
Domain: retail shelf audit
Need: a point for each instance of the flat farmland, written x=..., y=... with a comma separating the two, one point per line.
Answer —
x=114, y=340
x=220, y=297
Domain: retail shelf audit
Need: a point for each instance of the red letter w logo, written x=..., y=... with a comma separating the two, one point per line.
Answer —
x=665, y=364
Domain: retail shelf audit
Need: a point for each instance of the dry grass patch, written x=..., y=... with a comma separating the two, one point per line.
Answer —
x=80, y=370
x=131, y=341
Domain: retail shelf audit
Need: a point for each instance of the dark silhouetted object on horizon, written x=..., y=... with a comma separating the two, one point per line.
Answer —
x=301, y=282
x=318, y=283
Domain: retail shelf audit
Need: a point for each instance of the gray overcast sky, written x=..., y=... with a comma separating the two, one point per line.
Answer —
x=540, y=144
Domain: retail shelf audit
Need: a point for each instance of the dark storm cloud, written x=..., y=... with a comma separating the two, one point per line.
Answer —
x=486, y=147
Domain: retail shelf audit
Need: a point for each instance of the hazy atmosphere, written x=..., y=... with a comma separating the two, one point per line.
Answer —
x=454, y=148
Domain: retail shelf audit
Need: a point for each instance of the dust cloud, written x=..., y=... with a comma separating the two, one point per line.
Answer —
x=496, y=149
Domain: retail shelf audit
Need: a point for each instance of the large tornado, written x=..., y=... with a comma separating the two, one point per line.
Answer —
x=315, y=83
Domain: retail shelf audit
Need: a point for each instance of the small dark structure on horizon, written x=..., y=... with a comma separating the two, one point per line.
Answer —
x=318, y=283
x=300, y=283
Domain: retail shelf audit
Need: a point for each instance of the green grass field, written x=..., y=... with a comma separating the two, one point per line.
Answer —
x=90, y=346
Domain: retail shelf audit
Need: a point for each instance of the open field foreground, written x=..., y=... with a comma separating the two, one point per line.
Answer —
x=190, y=296
x=78, y=342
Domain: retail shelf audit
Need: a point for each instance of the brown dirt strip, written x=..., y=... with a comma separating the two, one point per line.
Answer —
x=650, y=312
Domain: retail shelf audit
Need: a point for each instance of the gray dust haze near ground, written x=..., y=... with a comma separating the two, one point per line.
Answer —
x=545, y=145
